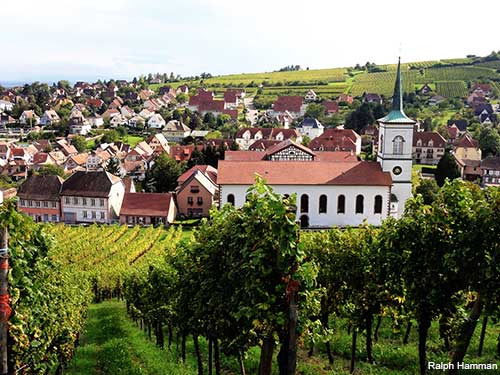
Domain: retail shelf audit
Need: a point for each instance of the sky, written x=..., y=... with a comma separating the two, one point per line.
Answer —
x=48, y=40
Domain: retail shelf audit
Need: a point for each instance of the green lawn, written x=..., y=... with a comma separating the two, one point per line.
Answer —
x=418, y=167
x=132, y=140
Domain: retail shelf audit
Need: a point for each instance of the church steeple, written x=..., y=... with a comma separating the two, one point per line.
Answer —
x=397, y=114
x=397, y=98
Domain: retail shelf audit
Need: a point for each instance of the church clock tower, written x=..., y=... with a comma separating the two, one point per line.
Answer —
x=395, y=142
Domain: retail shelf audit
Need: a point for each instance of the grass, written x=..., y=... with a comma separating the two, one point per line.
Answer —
x=132, y=140
x=113, y=344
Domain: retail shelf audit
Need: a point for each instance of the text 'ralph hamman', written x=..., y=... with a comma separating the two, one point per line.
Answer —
x=444, y=366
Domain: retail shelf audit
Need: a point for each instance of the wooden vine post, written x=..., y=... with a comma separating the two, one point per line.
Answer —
x=5, y=309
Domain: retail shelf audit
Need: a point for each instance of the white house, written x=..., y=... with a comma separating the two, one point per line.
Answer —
x=29, y=118
x=310, y=96
x=156, y=122
x=311, y=128
x=176, y=131
x=49, y=117
x=88, y=197
x=5, y=105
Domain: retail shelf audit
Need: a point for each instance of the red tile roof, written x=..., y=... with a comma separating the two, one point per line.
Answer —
x=232, y=172
x=263, y=144
x=207, y=170
x=330, y=106
x=425, y=137
x=183, y=153
x=269, y=133
x=288, y=103
x=338, y=133
x=466, y=141
x=230, y=97
x=146, y=204
x=233, y=113
x=341, y=143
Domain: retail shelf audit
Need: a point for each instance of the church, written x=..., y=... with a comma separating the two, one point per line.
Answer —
x=332, y=188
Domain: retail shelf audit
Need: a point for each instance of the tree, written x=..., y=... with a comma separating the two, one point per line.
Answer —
x=359, y=118
x=489, y=141
x=181, y=98
x=79, y=142
x=315, y=111
x=110, y=137
x=428, y=188
x=306, y=140
x=51, y=170
x=113, y=166
x=446, y=168
x=164, y=173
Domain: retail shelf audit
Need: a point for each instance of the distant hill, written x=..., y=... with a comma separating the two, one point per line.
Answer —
x=448, y=77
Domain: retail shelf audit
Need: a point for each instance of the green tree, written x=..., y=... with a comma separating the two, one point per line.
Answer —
x=316, y=111
x=489, y=141
x=164, y=173
x=428, y=188
x=113, y=166
x=306, y=140
x=79, y=142
x=446, y=168
x=51, y=169
x=182, y=98
x=110, y=136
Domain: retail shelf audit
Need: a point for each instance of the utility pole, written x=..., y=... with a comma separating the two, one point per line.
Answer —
x=5, y=309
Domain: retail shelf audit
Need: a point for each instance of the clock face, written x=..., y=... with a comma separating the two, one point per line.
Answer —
x=397, y=170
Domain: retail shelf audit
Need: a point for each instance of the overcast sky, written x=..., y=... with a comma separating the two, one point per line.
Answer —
x=90, y=39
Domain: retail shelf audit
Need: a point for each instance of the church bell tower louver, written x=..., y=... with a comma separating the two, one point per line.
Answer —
x=395, y=142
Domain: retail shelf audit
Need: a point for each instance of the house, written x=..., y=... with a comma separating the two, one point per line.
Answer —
x=310, y=96
x=88, y=197
x=246, y=136
x=110, y=113
x=118, y=120
x=467, y=148
x=337, y=139
x=310, y=127
x=428, y=147
x=436, y=100
x=285, y=119
x=75, y=162
x=483, y=109
x=372, y=98
x=183, y=153
x=230, y=100
x=6, y=105
x=94, y=103
x=146, y=114
x=66, y=148
x=176, y=131
x=293, y=104
x=328, y=192
x=95, y=120
x=6, y=119
x=344, y=98
x=166, y=90
x=29, y=118
x=488, y=119
x=97, y=160
x=146, y=94
x=136, y=122
x=148, y=209
x=263, y=145
x=425, y=89
x=49, y=117
x=470, y=170
x=42, y=158
x=482, y=88
x=460, y=124
x=127, y=111
x=158, y=143
x=197, y=191
x=490, y=168
x=331, y=107
x=183, y=89
x=39, y=198
x=156, y=122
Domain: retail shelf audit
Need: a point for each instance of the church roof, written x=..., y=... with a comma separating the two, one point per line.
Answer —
x=355, y=173
x=397, y=114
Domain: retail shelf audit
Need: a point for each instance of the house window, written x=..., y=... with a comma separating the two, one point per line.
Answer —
x=377, y=209
x=230, y=199
x=53, y=204
x=30, y=203
x=102, y=215
x=45, y=204
x=304, y=203
x=92, y=202
x=54, y=218
x=45, y=217
x=93, y=215
x=75, y=200
x=84, y=201
x=397, y=145
x=101, y=202
x=66, y=200
x=190, y=200
x=195, y=189
x=22, y=202
x=322, y=204
x=341, y=204
x=37, y=203
x=85, y=215
x=359, y=204
x=199, y=201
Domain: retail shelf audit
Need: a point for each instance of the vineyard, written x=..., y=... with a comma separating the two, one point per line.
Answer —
x=451, y=89
x=248, y=284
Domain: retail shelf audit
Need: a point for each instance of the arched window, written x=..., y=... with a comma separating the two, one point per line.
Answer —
x=304, y=203
x=230, y=199
x=304, y=221
x=341, y=204
x=359, y=204
x=322, y=204
x=397, y=145
x=377, y=209
x=381, y=143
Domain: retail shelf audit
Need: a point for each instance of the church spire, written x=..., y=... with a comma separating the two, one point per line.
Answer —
x=397, y=98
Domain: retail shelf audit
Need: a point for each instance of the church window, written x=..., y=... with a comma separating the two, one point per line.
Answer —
x=377, y=209
x=397, y=147
x=230, y=199
x=322, y=204
x=360, y=204
x=341, y=204
x=304, y=203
